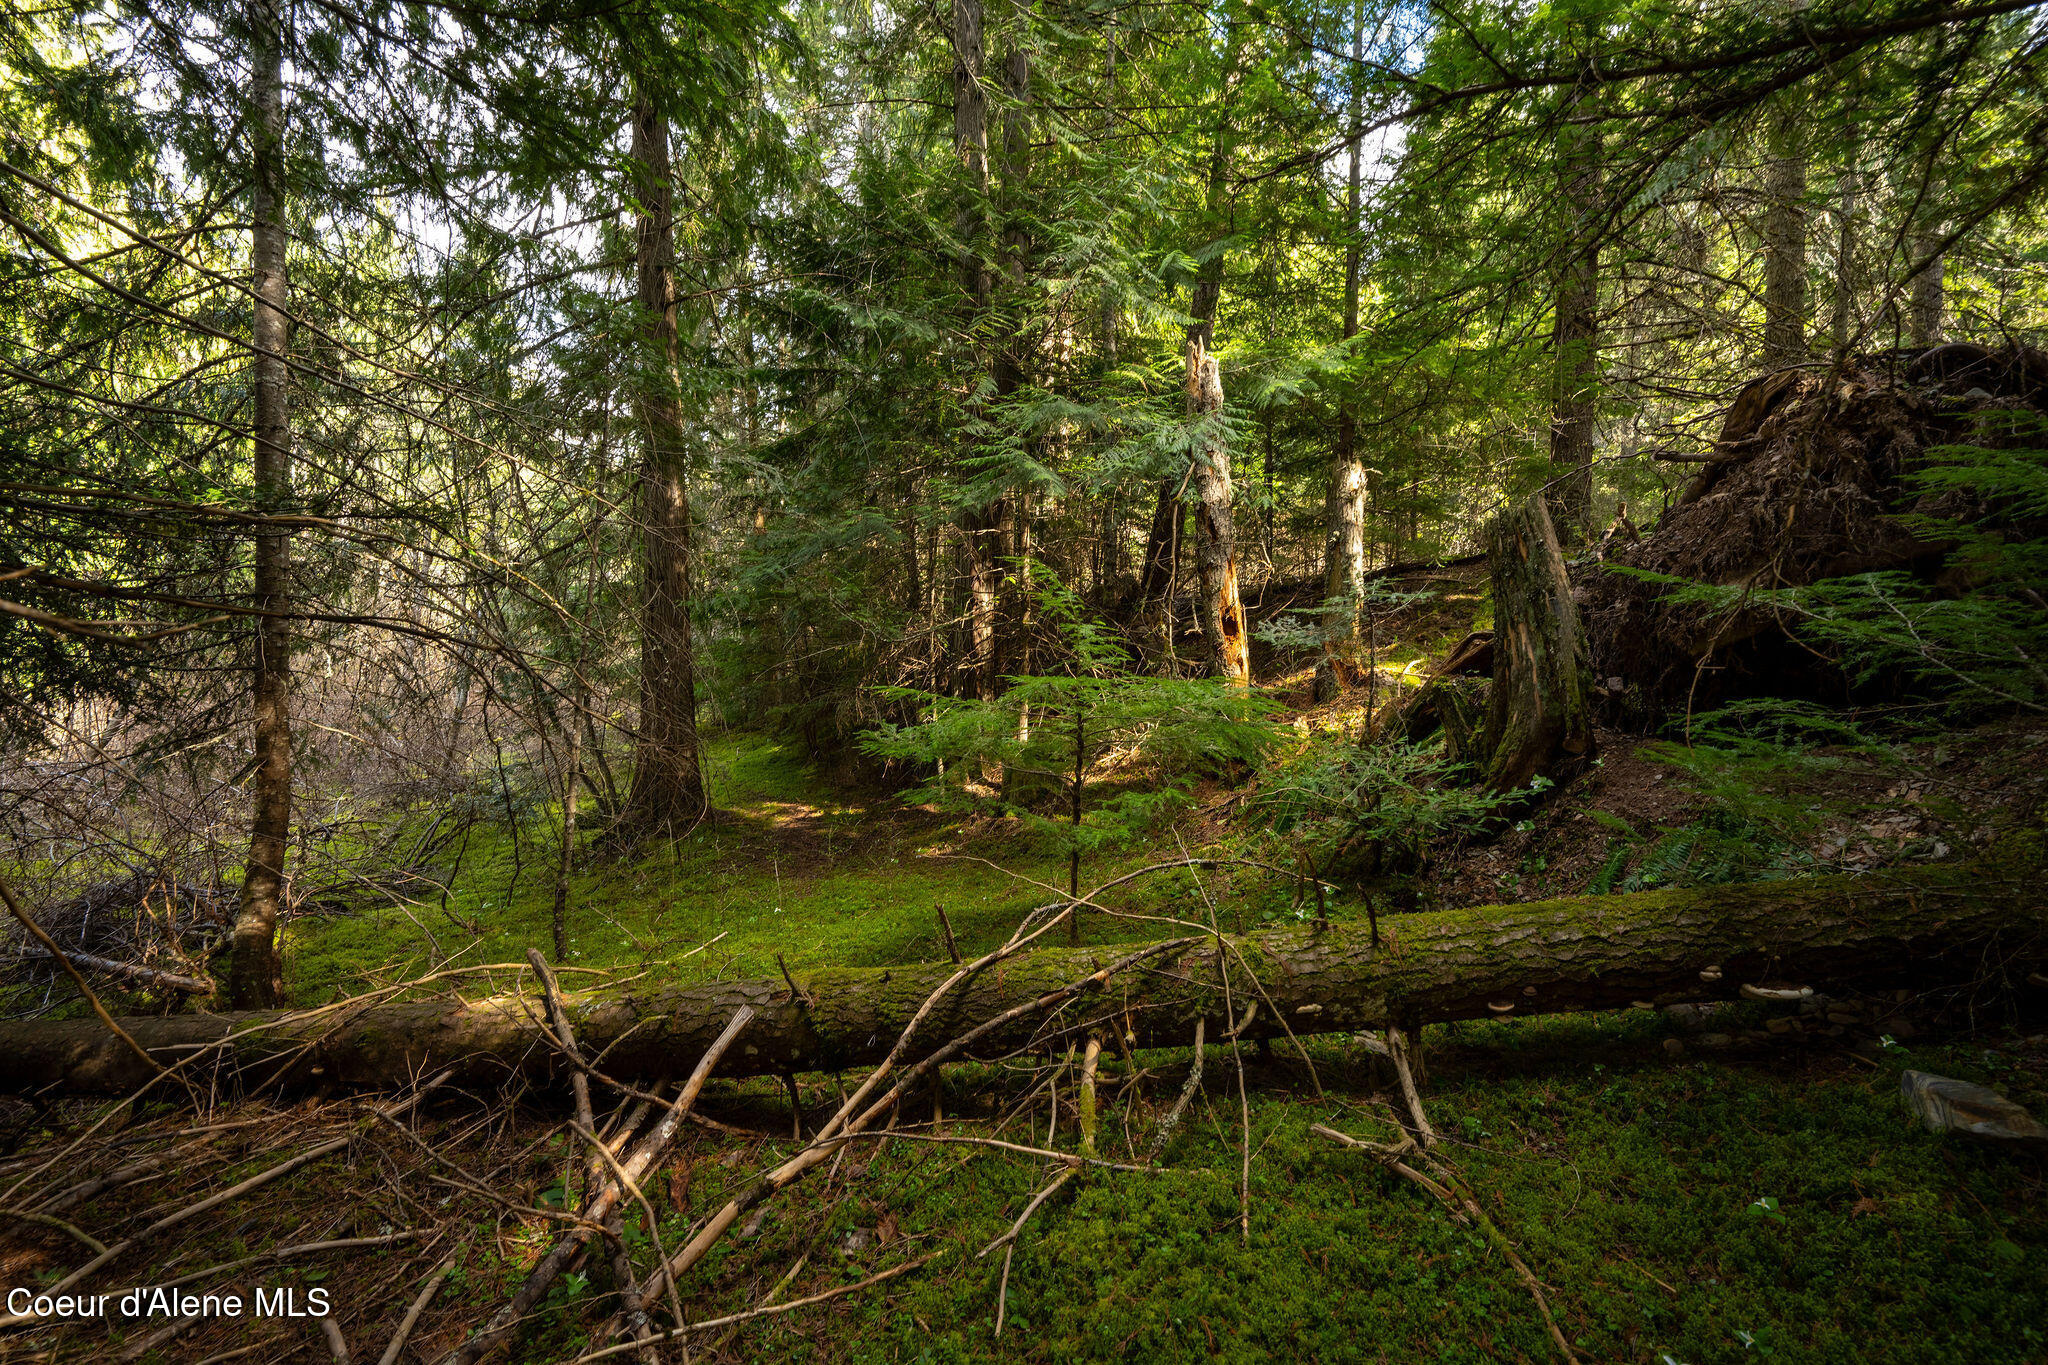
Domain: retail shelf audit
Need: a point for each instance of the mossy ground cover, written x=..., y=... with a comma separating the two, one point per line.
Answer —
x=1717, y=1207
x=1780, y=1206
x=791, y=865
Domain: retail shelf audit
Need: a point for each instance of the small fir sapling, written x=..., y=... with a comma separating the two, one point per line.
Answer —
x=1093, y=754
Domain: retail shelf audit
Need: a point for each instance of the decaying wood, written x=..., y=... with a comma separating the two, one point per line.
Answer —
x=1222, y=609
x=1170, y=1121
x=1576, y=954
x=1539, y=719
x=1091, y=1058
x=149, y=976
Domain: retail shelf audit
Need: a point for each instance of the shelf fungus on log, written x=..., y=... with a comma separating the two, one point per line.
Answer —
x=1925, y=924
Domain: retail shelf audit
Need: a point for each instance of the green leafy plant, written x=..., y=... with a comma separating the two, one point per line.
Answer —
x=1090, y=755
x=1385, y=806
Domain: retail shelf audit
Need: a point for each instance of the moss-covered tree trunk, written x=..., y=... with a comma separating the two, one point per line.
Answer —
x=1575, y=323
x=1930, y=925
x=1539, y=719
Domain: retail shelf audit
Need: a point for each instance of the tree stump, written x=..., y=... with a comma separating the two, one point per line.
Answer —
x=1539, y=717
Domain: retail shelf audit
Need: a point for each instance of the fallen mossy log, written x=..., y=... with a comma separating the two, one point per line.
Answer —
x=1940, y=924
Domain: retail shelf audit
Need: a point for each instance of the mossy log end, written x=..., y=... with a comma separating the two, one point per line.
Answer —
x=1927, y=925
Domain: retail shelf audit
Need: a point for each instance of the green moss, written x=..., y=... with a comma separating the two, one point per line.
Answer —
x=790, y=867
x=1627, y=1180
x=1616, y=1172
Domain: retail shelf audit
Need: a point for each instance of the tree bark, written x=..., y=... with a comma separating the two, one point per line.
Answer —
x=1344, y=506
x=986, y=528
x=970, y=145
x=1221, y=607
x=1575, y=339
x=1784, y=245
x=572, y=782
x=668, y=780
x=1924, y=311
x=1847, y=282
x=1216, y=536
x=1539, y=719
x=1158, y=575
x=1011, y=368
x=1928, y=925
x=253, y=974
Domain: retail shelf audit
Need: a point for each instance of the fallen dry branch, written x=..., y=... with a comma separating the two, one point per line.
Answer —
x=215, y=1200
x=1921, y=925
x=850, y=1121
x=1008, y=1241
x=498, y=1331
x=770, y=1310
x=435, y=1278
x=149, y=976
x=1452, y=1193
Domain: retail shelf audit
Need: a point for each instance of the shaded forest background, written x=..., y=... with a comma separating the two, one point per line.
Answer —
x=426, y=417
x=563, y=541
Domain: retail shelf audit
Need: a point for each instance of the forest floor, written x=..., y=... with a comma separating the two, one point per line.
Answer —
x=1690, y=1188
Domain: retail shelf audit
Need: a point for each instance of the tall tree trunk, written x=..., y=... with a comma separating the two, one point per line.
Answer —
x=1159, y=573
x=1575, y=340
x=1843, y=325
x=1344, y=505
x=572, y=782
x=1927, y=925
x=986, y=528
x=1011, y=370
x=254, y=977
x=1784, y=244
x=668, y=781
x=1222, y=610
x=1925, y=306
x=970, y=145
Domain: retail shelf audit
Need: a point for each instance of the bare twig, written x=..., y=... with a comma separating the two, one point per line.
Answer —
x=1008, y=1241
x=1163, y=1133
x=187, y=985
x=597, y=1207
x=48, y=1221
x=832, y=1136
x=565, y=1038
x=77, y=978
x=419, y=1304
x=1450, y=1190
x=752, y=1313
x=1397, y=1048
x=254, y=1182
